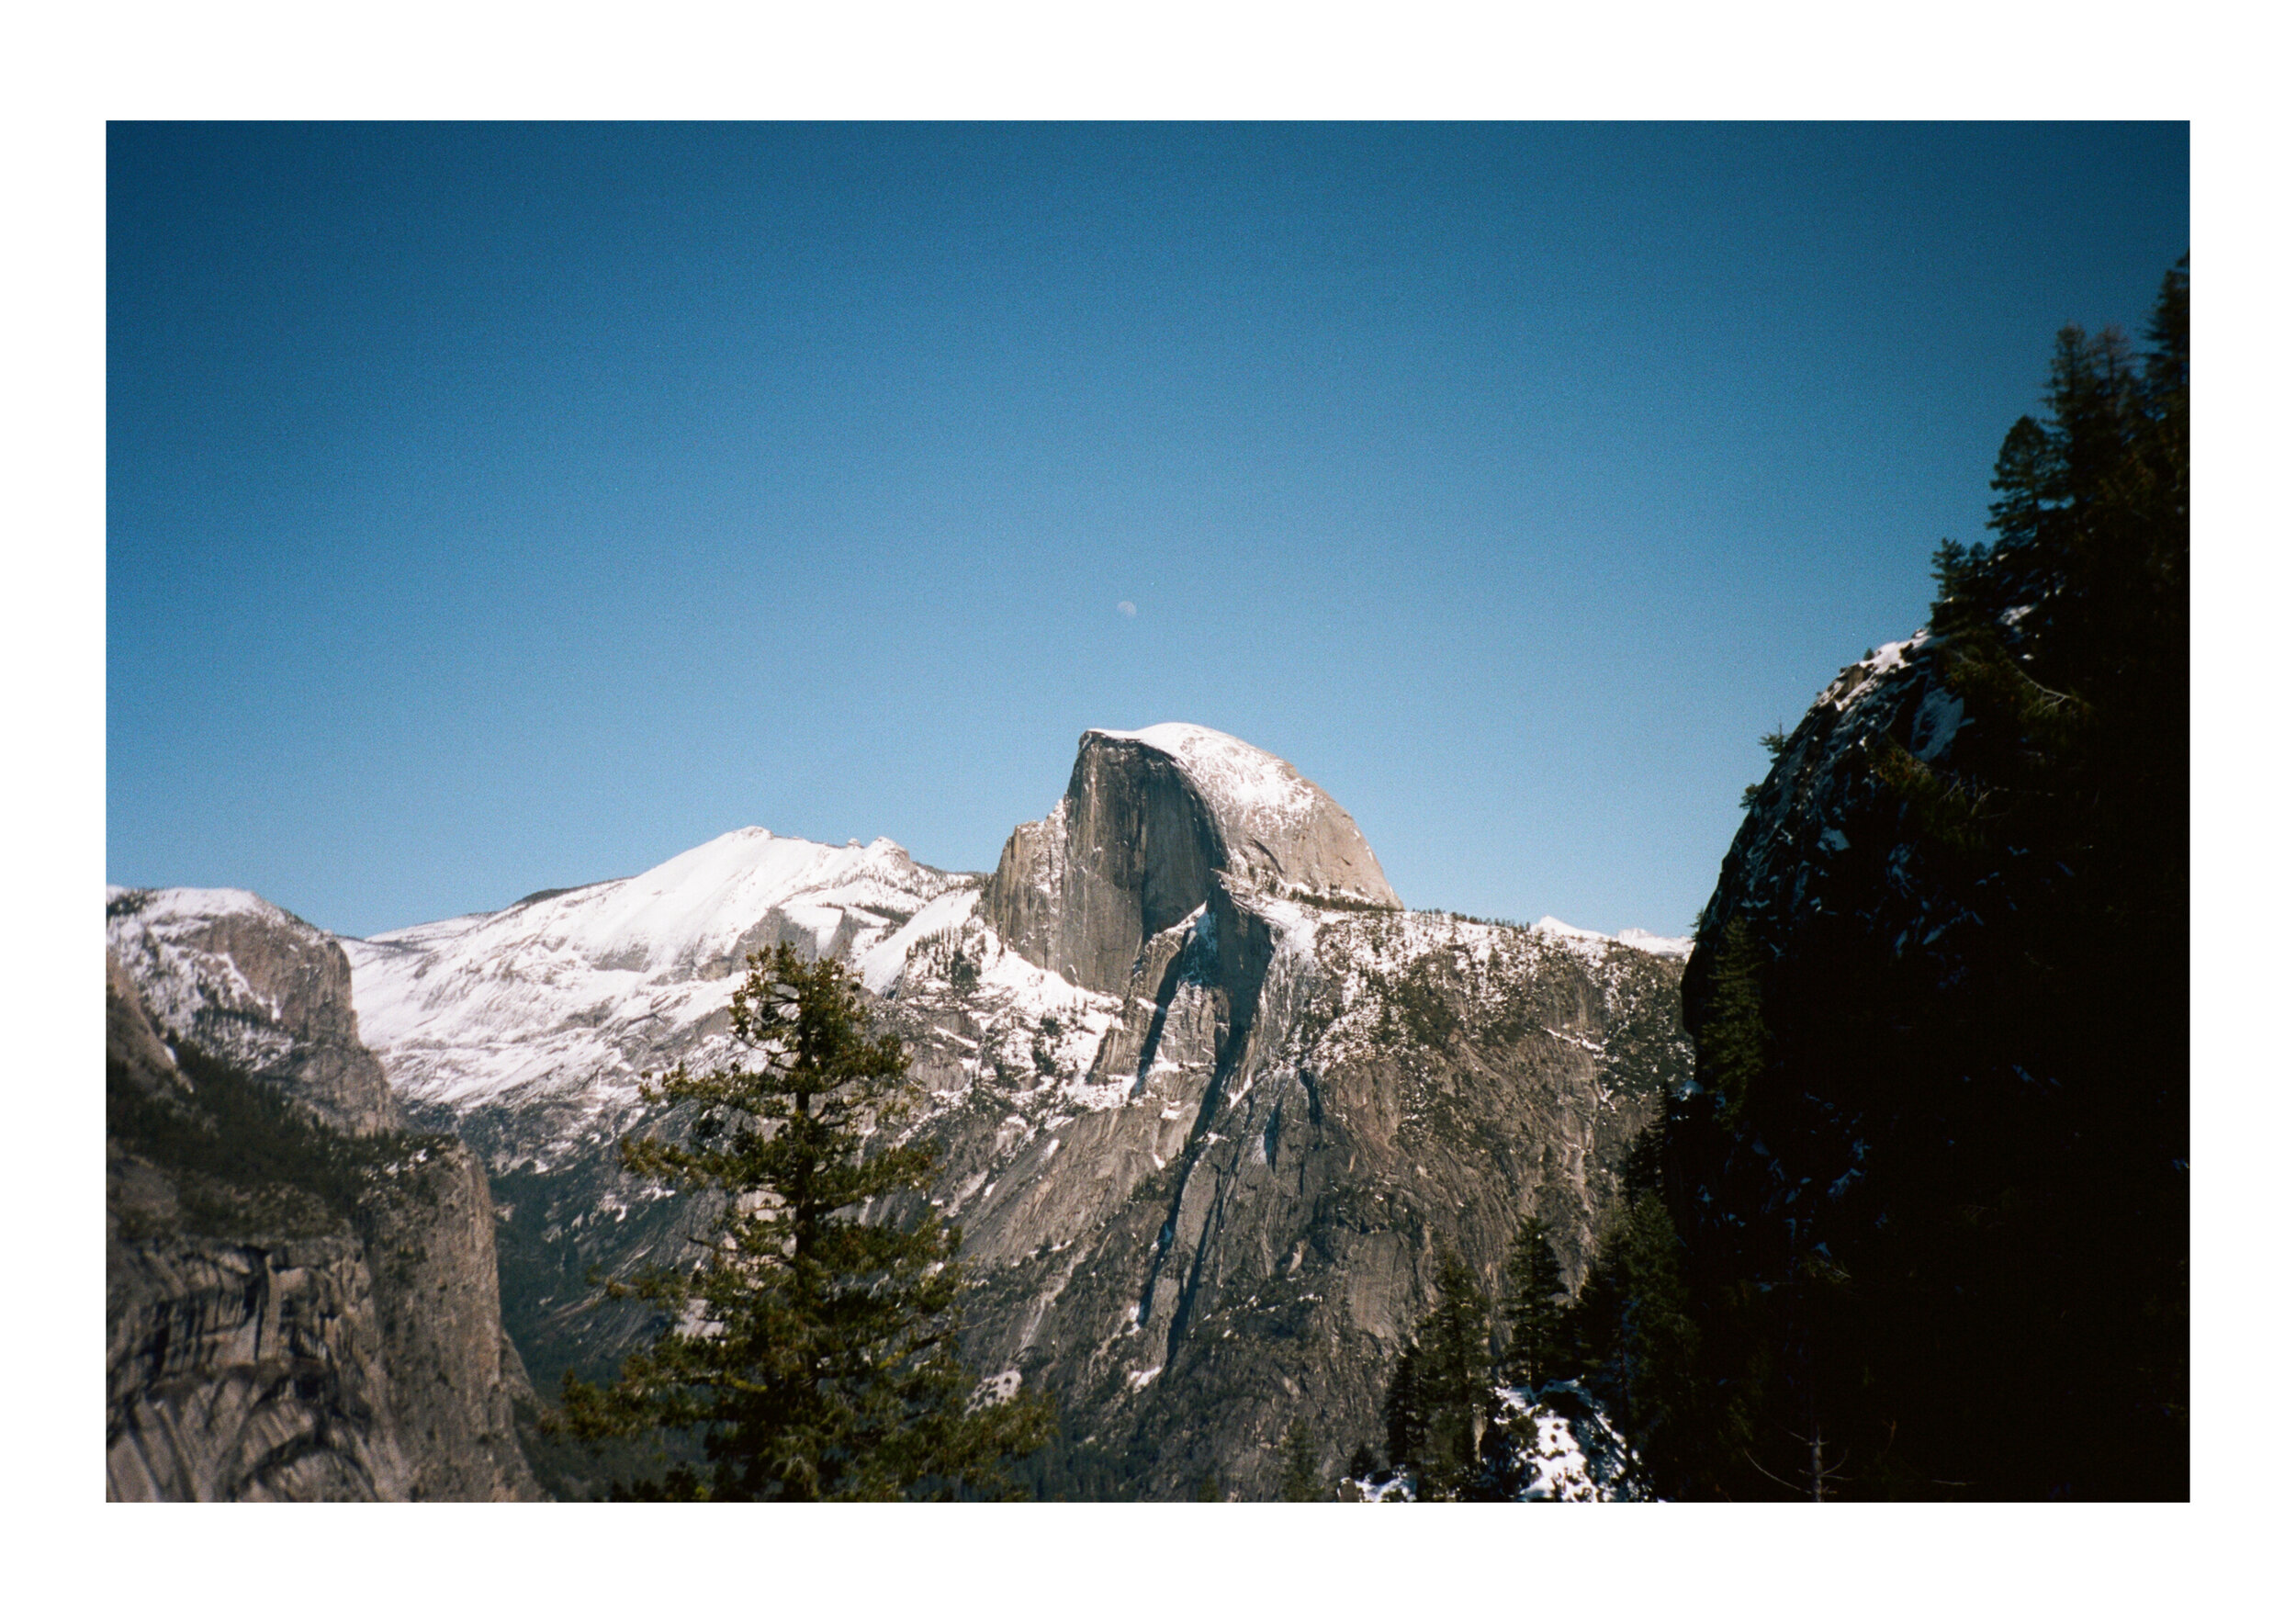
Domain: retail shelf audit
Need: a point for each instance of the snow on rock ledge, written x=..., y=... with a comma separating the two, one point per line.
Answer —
x=254, y=985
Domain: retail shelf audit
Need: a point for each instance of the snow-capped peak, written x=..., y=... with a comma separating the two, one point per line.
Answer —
x=1239, y=778
x=568, y=983
x=188, y=904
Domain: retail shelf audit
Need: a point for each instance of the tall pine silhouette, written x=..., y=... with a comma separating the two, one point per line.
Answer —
x=1441, y=1397
x=1535, y=1300
x=811, y=1349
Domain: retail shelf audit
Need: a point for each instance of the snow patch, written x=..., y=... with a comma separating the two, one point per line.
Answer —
x=1235, y=775
x=1658, y=946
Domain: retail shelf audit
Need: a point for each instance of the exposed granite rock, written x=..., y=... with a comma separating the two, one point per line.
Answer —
x=1210, y=1101
x=310, y=1316
x=253, y=985
x=429, y=1230
x=1247, y=1238
x=246, y=1372
x=1152, y=823
x=130, y=1044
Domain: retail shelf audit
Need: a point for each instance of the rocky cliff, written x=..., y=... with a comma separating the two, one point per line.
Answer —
x=254, y=985
x=525, y=1031
x=1155, y=824
x=301, y=1298
x=1211, y=1098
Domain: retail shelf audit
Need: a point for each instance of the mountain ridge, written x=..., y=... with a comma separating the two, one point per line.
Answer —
x=1215, y=1070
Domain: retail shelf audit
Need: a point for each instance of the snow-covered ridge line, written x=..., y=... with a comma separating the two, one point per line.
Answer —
x=180, y=904
x=1428, y=926
x=573, y=992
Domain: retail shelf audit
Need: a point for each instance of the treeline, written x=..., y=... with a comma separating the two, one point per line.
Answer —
x=246, y=1160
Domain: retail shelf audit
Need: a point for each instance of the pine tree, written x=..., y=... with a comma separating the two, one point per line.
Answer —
x=1935, y=1190
x=1303, y=1484
x=1441, y=1397
x=1733, y=1043
x=1534, y=1308
x=1406, y=1413
x=810, y=1352
x=1633, y=1333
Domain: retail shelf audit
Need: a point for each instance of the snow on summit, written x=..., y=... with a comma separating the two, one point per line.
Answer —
x=1241, y=779
x=697, y=907
x=570, y=996
x=579, y=982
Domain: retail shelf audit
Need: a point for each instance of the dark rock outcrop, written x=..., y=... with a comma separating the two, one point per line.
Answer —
x=1937, y=1193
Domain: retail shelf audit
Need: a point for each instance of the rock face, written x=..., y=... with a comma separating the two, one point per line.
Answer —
x=301, y=1301
x=248, y=1372
x=253, y=985
x=1210, y=1099
x=526, y=1032
x=1232, y=1219
x=1823, y=799
x=1154, y=824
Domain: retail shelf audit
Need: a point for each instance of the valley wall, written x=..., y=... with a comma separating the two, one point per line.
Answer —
x=301, y=1296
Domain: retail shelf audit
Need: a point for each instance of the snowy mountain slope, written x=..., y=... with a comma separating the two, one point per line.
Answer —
x=573, y=994
x=528, y=1030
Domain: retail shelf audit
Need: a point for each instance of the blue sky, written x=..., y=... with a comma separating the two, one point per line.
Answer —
x=501, y=507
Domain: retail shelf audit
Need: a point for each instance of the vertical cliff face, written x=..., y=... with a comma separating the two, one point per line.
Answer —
x=1153, y=825
x=1228, y=1219
x=455, y=1375
x=294, y=1311
x=253, y=985
x=1231, y=1221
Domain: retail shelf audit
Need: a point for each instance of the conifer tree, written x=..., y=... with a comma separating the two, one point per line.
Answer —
x=1634, y=1335
x=1733, y=1042
x=1405, y=1414
x=1936, y=1192
x=1441, y=1397
x=1534, y=1307
x=810, y=1351
x=1303, y=1484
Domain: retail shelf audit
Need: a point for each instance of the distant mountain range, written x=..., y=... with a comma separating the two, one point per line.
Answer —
x=1211, y=1097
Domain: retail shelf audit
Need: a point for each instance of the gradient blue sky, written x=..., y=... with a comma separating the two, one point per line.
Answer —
x=493, y=507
